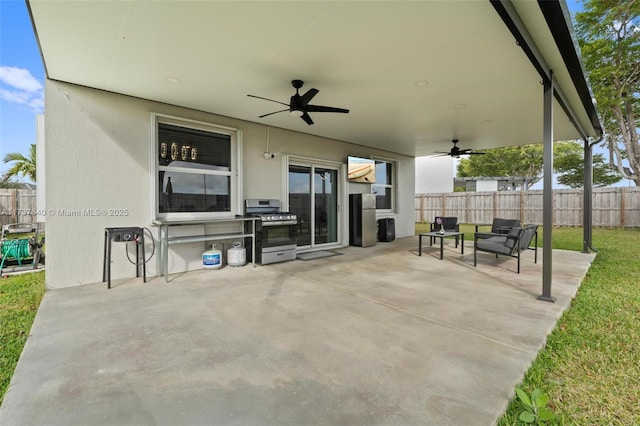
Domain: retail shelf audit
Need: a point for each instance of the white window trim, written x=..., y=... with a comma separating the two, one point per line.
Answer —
x=236, y=192
x=393, y=186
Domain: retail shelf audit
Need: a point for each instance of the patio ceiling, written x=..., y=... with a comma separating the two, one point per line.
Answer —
x=413, y=74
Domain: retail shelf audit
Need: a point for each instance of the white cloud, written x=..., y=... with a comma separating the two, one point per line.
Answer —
x=21, y=88
x=19, y=78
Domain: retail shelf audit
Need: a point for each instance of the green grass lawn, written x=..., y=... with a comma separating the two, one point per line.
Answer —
x=590, y=367
x=20, y=296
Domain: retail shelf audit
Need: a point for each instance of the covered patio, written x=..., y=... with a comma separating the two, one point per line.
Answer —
x=372, y=336
x=414, y=75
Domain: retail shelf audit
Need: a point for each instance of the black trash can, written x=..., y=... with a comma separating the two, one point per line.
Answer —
x=386, y=230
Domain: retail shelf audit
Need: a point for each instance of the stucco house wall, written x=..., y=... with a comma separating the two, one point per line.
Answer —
x=486, y=185
x=434, y=174
x=98, y=158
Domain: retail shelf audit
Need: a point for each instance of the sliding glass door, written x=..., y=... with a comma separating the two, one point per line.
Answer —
x=313, y=196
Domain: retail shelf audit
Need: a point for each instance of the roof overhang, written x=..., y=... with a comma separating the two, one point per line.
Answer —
x=414, y=74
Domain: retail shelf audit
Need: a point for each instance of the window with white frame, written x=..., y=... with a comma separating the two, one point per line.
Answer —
x=384, y=188
x=195, y=169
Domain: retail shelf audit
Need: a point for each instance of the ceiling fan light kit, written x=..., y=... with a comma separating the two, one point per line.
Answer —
x=298, y=105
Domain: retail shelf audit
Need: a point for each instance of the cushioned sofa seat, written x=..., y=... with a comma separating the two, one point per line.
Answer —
x=495, y=245
x=515, y=241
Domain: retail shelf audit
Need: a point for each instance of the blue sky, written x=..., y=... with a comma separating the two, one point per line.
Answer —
x=22, y=78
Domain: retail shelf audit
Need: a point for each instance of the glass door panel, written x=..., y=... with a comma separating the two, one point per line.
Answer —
x=317, y=214
x=300, y=201
x=326, y=202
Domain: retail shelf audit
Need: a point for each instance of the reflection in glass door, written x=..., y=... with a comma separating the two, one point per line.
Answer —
x=317, y=214
x=326, y=207
x=300, y=201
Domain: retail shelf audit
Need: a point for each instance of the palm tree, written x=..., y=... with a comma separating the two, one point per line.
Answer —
x=22, y=166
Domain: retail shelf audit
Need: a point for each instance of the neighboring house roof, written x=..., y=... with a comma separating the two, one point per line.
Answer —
x=28, y=186
x=414, y=74
x=501, y=183
x=20, y=185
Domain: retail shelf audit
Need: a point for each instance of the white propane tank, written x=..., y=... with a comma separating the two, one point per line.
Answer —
x=212, y=259
x=236, y=255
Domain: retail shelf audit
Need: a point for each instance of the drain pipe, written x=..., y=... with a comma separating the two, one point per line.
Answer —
x=587, y=211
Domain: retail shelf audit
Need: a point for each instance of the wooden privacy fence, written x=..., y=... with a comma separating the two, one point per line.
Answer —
x=611, y=207
x=18, y=206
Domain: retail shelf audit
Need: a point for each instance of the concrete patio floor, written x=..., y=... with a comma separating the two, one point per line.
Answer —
x=375, y=336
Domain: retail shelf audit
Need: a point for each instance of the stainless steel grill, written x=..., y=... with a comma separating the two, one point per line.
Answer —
x=282, y=218
x=276, y=232
x=269, y=212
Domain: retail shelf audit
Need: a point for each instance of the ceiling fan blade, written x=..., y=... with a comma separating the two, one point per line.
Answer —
x=308, y=96
x=299, y=104
x=267, y=99
x=271, y=113
x=440, y=154
x=469, y=151
x=307, y=118
x=320, y=108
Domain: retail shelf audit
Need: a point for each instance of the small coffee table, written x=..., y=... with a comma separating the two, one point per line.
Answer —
x=442, y=236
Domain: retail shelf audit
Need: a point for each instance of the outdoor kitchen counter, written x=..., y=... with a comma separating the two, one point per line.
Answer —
x=164, y=240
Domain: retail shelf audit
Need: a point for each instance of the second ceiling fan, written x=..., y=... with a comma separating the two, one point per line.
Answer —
x=457, y=152
x=299, y=106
